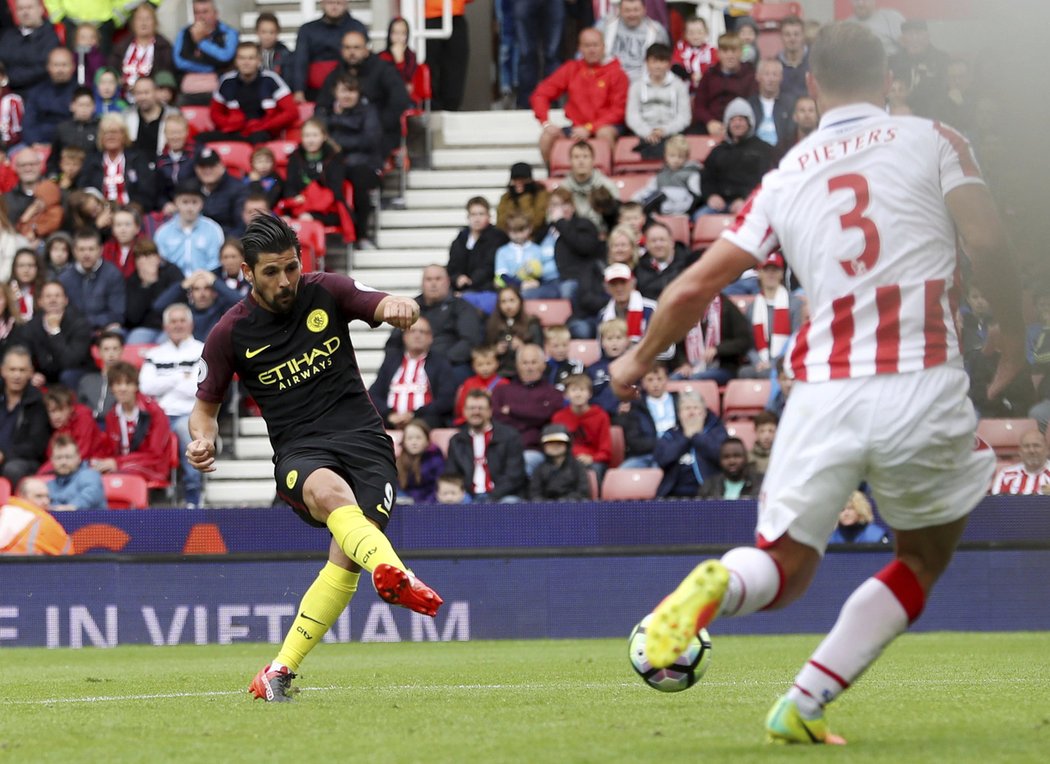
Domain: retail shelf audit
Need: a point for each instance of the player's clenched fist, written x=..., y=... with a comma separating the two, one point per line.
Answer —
x=400, y=312
x=201, y=455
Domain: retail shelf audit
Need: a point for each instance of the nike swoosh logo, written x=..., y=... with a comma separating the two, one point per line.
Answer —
x=304, y=615
x=253, y=353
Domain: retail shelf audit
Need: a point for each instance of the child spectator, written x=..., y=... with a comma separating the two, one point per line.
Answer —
x=273, y=53
x=167, y=88
x=70, y=164
x=519, y=262
x=781, y=390
x=523, y=196
x=589, y=425
x=509, y=328
x=27, y=278
x=612, y=335
x=648, y=418
x=675, y=189
x=737, y=479
x=398, y=53
x=556, y=342
x=485, y=363
x=137, y=428
x=658, y=103
x=175, y=163
x=80, y=130
x=857, y=523
x=561, y=476
x=450, y=490
x=689, y=452
x=747, y=31
x=263, y=177
x=472, y=256
x=58, y=254
x=314, y=189
x=632, y=214
x=419, y=464
x=693, y=55
x=765, y=431
x=75, y=485
x=107, y=93
x=728, y=80
x=12, y=111
x=190, y=240
x=12, y=331
x=229, y=271
x=127, y=227
x=73, y=420
x=87, y=55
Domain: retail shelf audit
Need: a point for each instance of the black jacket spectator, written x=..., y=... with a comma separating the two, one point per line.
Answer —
x=82, y=135
x=506, y=463
x=381, y=85
x=437, y=413
x=715, y=486
x=737, y=338
x=569, y=482
x=98, y=295
x=457, y=329
x=591, y=296
x=783, y=107
x=30, y=434
x=26, y=55
x=689, y=462
x=225, y=202
x=54, y=353
x=733, y=170
x=47, y=106
x=359, y=134
x=479, y=263
x=578, y=246
x=140, y=178
x=140, y=309
x=639, y=428
x=319, y=41
x=651, y=280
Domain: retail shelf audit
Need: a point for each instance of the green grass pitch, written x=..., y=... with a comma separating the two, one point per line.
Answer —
x=932, y=698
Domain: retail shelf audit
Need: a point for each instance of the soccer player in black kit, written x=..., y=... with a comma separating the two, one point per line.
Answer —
x=334, y=463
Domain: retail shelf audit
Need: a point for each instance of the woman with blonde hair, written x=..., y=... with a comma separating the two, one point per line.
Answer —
x=857, y=523
x=120, y=171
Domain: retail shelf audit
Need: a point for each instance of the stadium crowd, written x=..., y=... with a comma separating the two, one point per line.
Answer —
x=118, y=226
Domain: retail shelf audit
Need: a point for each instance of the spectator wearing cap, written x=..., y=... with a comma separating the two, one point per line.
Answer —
x=167, y=87
x=250, y=104
x=27, y=44
x=736, y=165
x=122, y=173
x=318, y=46
x=191, y=241
x=47, y=102
x=626, y=302
x=561, y=476
x=208, y=44
x=148, y=118
x=95, y=287
x=523, y=196
x=775, y=315
x=922, y=68
x=223, y=194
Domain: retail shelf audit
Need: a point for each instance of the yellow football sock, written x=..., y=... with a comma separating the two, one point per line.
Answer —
x=322, y=604
x=360, y=540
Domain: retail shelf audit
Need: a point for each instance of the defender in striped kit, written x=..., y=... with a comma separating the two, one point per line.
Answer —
x=867, y=211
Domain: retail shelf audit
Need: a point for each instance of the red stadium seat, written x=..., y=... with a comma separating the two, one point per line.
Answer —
x=745, y=397
x=281, y=151
x=549, y=312
x=560, y=156
x=174, y=460
x=5, y=490
x=743, y=429
x=627, y=160
x=312, y=245
x=440, y=437
x=700, y=146
x=629, y=185
x=306, y=111
x=551, y=183
x=1004, y=435
x=769, y=15
x=125, y=491
x=585, y=351
x=136, y=354
x=708, y=228
x=619, y=445
x=235, y=155
x=679, y=225
x=631, y=484
x=707, y=389
x=592, y=484
x=199, y=82
x=199, y=118
x=769, y=44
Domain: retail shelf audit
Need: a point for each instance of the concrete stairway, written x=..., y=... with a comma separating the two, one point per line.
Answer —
x=472, y=157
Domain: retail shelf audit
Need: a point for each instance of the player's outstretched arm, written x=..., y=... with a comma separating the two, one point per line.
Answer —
x=204, y=429
x=995, y=273
x=399, y=312
x=680, y=308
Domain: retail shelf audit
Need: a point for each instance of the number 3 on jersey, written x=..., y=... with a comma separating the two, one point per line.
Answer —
x=858, y=184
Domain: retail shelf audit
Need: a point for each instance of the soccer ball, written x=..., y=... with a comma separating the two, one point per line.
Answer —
x=680, y=675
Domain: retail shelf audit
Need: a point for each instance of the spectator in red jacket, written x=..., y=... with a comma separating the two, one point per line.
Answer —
x=250, y=104
x=597, y=96
x=137, y=428
x=589, y=425
x=730, y=79
x=76, y=421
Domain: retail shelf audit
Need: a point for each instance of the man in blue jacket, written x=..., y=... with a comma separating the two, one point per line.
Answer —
x=76, y=485
x=318, y=48
x=25, y=46
x=206, y=45
x=47, y=102
x=95, y=286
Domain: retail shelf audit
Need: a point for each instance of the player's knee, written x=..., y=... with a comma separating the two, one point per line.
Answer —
x=325, y=491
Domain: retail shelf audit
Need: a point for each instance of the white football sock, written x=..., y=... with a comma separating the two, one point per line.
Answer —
x=879, y=610
x=754, y=581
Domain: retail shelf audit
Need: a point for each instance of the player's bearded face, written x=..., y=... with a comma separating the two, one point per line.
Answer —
x=275, y=281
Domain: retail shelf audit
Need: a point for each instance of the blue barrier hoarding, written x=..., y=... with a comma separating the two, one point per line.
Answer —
x=102, y=602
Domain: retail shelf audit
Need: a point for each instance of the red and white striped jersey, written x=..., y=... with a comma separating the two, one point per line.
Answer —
x=410, y=387
x=1016, y=480
x=858, y=210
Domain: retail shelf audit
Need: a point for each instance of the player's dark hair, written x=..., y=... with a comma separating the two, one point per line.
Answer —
x=847, y=59
x=267, y=234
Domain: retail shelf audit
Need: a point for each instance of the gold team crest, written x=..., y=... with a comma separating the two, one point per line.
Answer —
x=317, y=321
x=293, y=475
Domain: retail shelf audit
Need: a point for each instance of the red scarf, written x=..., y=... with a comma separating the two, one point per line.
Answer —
x=138, y=62
x=114, y=180
x=410, y=387
x=699, y=340
x=482, y=479
x=771, y=341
